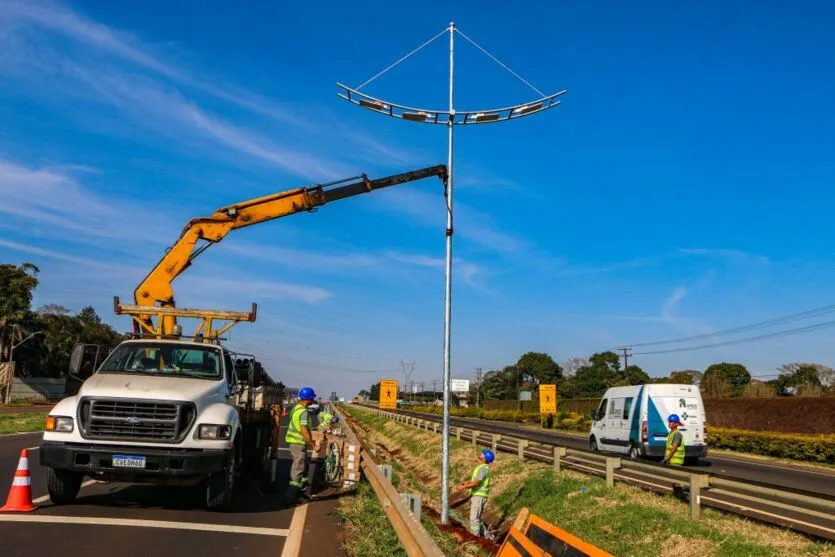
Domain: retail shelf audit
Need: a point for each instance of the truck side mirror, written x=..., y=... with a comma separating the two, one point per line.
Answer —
x=76, y=358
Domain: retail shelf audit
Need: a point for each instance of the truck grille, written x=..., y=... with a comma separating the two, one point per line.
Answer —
x=136, y=420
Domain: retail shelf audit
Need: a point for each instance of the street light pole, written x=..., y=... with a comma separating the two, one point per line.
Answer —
x=8, y=393
x=448, y=285
x=450, y=118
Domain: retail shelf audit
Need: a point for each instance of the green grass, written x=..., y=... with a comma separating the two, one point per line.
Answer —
x=367, y=528
x=20, y=423
x=623, y=520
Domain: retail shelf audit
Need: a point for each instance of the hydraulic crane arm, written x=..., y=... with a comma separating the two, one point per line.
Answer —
x=156, y=289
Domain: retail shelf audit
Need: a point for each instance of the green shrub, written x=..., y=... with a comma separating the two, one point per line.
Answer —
x=814, y=448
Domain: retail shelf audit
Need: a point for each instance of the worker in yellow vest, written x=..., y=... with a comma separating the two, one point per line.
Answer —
x=674, y=453
x=479, y=488
x=299, y=439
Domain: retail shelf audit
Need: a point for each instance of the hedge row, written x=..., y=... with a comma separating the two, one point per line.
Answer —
x=813, y=448
x=562, y=420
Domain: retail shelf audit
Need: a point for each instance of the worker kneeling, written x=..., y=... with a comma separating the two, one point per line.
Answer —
x=479, y=486
x=299, y=438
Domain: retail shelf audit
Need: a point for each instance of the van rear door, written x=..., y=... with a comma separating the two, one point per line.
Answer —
x=690, y=411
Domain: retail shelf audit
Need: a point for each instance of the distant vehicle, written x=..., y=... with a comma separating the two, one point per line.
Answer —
x=633, y=420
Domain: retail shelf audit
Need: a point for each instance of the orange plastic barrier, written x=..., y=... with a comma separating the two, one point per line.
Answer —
x=530, y=536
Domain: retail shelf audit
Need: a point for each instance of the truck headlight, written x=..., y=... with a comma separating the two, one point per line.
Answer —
x=214, y=431
x=61, y=424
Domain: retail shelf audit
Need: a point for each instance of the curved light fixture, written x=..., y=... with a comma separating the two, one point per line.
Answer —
x=428, y=116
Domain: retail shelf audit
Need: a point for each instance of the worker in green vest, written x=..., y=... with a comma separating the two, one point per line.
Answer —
x=674, y=453
x=325, y=418
x=299, y=439
x=479, y=491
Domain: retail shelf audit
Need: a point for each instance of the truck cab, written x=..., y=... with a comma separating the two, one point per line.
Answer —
x=156, y=411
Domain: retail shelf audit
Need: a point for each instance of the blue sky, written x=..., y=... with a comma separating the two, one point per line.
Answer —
x=683, y=186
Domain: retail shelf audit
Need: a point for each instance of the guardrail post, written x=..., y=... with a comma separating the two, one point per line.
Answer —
x=495, y=444
x=697, y=482
x=412, y=501
x=435, y=427
x=559, y=453
x=386, y=470
x=474, y=438
x=520, y=447
x=611, y=464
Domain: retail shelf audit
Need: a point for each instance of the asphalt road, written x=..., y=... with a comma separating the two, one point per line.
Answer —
x=799, y=477
x=143, y=520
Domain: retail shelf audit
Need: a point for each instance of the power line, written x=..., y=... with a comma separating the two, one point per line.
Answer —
x=744, y=328
x=799, y=330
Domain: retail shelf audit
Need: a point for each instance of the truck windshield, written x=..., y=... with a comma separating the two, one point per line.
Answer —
x=164, y=358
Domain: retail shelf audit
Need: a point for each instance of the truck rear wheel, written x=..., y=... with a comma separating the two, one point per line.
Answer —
x=63, y=485
x=220, y=487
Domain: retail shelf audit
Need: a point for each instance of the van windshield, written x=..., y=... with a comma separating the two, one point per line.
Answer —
x=164, y=358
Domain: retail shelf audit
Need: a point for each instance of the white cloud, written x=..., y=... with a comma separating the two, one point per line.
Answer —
x=49, y=202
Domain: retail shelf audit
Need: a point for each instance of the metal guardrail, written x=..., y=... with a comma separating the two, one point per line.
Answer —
x=806, y=512
x=412, y=535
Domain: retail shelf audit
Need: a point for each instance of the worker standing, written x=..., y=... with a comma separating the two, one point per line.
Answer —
x=298, y=438
x=479, y=487
x=674, y=453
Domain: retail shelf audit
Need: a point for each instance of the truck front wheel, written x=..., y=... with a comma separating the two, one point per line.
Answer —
x=63, y=485
x=220, y=487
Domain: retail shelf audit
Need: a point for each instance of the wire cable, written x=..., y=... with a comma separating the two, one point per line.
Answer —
x=499, y=62
x=404, y=58
x=800, y=330
x=744, y=328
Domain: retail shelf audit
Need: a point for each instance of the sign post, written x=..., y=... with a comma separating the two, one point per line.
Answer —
x=547, y=402
x=388, y=394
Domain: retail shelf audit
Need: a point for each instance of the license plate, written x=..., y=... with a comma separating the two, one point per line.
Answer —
x=121, y=461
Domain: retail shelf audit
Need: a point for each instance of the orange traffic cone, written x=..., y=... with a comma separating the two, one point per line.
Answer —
x=20, y=496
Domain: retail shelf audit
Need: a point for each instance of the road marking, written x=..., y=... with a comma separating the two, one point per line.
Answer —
x=45, y=498
x=294, y=541
x=32, y=448
x=100, y=521
x=758, y=463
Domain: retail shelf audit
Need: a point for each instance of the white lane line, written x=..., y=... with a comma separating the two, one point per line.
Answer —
x=757, y=463
x=100, y=521
x=293, y=545
x=45, y=498
x=32, y=448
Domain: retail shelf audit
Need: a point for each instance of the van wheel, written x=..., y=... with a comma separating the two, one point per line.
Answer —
x=634, y=452
x=593, y=444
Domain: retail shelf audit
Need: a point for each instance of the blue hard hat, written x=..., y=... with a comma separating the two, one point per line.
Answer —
x=488, y=455
x=335, y=419
x=306, y=393
x=674, y=418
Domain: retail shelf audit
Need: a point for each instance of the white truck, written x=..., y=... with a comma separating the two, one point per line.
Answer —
x=166, y=412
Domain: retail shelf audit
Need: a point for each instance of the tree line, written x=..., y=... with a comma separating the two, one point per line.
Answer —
x=44, y=336
x=590, y=377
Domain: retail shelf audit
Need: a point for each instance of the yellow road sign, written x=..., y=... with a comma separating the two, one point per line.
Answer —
x=388, y=394
x=547, y=399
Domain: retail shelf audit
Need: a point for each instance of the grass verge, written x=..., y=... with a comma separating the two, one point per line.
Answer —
x=623, y=520
x=20, y=423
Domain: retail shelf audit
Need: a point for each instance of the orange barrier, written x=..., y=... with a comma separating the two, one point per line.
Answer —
x=530, y=536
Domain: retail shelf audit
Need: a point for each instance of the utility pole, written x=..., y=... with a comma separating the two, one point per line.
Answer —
x=478, y=385
x=408, y=368
x=626, y=353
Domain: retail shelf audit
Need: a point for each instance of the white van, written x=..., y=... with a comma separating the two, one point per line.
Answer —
x=633, y=420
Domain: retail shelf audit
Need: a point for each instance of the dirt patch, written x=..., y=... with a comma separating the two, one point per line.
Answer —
x=461, y=532
x=679, y=546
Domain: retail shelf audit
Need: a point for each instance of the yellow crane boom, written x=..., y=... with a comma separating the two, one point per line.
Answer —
x=155, y=295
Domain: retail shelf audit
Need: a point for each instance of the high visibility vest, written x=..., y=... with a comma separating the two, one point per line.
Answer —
x=678, y=456
x=324, y=420
x=483, y=489
x=294, y=429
